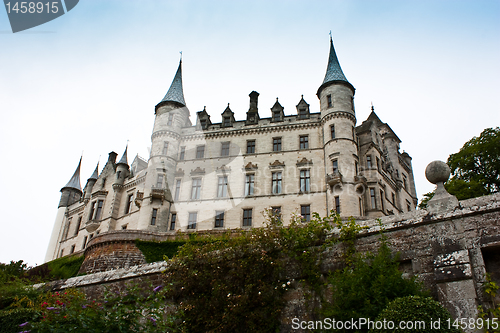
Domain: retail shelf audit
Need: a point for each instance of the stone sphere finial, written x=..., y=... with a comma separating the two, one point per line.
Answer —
x=437, y=172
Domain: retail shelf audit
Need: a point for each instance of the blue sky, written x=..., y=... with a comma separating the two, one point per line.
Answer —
x=89, y=80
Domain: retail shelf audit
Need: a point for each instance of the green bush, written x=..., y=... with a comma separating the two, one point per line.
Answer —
x=416, y=310
x=367, y=283
x=11, y=319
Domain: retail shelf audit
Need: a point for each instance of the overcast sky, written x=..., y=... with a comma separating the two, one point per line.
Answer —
x=89, y=80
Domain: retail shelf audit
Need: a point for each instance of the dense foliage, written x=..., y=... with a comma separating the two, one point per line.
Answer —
x=416, y=312
x=490, y=289
x=475, y=169
x=157, y=251
x=236, y=284
x=367, y=283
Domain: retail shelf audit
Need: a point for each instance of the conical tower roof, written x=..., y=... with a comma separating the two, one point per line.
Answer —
x=95, y=174
x=74, y=182
x=175, y=93
x=333, y=70
x=124, y=160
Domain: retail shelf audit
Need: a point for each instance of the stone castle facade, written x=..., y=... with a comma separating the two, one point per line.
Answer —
x=215, y=176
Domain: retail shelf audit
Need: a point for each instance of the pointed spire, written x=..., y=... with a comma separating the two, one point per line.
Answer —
x=74, y=182
x=333, y=70
x=124, y=160
x=175, y=93
x=95, y=174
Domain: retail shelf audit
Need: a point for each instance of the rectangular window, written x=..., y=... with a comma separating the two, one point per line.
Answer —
x=393, y=199
x=302, y=114
x=203, y=123
x=92, y=210
x=353, y=134
x=332, y=131
x=305, y=211
x=72, y=249
x=405, y=180
x=84, y=242
x=304, y=181
x=382, y=199
x=356, y=167
x=182, y=153
x=247, y=217
x=276, y=211
x=78, y=224
x=337, y=204
x=153, y=216
x=224, y=151
x=165, y=148
x=251, y=147
x=98, y=210
x=335, y=166
x=159, y=181
x=222, y=187
x=276, y=144
x=192, y=220
x=408, y=206
x=124, y=227
x=369, y=161
x=173, y=218
x=372, y=197
x=378, y=163
x=227, y=121
x=360, y=207
x=276, y=183
x=129, y=203
x=276, y=116
x=329, y=100
x=66, y=231
x=170, y=119
x=219, y=219
x=304, y=142
x=177, y=189
x=200, y=151
x=249, y=183
x=62, y=252
x=196, y=188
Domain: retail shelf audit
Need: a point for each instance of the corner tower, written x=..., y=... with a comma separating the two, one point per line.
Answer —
x=171, y=116
x=70, y=193
x=336, y=96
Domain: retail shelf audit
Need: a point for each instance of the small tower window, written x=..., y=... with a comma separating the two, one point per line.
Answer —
x=84, y=242
x=170, y=119
x=393, y=199
x=329, y=100
x=78, y=224
x=98, y=210
x=129, y=203
x=153, y=216
x=165, y=148
x=335, y=166
x=372, y=197
x=159, y=181
x=173, y=218
x=369, y=161
x=382, y=200
x=182, y=153
x=332, y=131
x=337, y=204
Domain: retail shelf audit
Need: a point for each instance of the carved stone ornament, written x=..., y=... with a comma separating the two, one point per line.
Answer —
x=304, y=161
x=179, y=172
x=251, y=166
x=276, y=164
x=198, y=170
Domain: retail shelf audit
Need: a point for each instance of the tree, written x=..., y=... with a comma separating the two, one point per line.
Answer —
x=475, y=169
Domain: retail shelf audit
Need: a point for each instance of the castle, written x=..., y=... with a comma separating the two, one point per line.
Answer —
x=223, y=175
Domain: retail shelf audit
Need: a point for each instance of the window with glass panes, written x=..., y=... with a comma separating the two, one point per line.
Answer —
x=305, y=212
x=304, y=142
x=165, y=148
x=250, y=146
x=200, y=151
x=177, y=189
x=224, y=151
x=304, y=181
x=219, y=219
x=332, y=131
x=192, y=220
x=276, y=144
x=196, y=188
x=153, y=216
x=173, y=219
x=222, y=187
x=182, y=153
x=249, y=183
x=276, y=182
x=247, y=217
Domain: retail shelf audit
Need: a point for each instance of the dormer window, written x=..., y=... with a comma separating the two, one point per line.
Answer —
x=203, y=123
x=227, y=121
x=276, y=116
x=302, y=113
